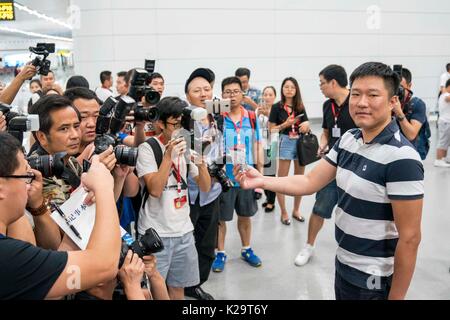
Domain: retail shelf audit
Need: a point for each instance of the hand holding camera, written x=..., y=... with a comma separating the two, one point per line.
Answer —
x=98, y=178
x=131, y=272
x=35, y=197
x=248, y=179
x=28, y=72
x=108, y=158
x=175, y=148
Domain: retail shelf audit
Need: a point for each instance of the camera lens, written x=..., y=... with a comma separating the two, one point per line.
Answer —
x=152, y=97
x=126, y=155
x=48, y=165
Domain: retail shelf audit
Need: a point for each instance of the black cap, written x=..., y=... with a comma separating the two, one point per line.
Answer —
x=204, y=73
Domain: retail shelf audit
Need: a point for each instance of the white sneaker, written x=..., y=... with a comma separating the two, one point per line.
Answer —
x=304, y=255
x=441, y=163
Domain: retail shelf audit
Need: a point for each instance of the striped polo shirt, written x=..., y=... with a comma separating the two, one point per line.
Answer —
x=369, y=176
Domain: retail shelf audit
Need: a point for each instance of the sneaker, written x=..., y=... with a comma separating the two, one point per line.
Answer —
x=304, y=255
x=441, y=163
x=251, y=258
x=219, y=263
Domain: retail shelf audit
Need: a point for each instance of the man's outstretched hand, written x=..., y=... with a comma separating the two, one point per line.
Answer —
x=248, y=179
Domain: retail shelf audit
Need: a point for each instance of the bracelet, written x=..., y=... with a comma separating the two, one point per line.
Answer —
x=400, y=118
x=40, y=210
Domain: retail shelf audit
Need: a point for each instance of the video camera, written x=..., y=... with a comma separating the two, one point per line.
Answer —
x=42, y=64
x=17, y=123
x=110, y=121
x=149, y=244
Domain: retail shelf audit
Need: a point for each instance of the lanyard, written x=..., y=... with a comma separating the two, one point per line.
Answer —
x=238, y=129
x=336, y=115
x=289, y=114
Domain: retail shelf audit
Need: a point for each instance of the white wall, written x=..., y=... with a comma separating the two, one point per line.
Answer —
x=275, y=39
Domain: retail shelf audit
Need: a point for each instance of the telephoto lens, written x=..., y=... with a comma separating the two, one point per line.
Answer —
x=126, y=155
x=49, y=166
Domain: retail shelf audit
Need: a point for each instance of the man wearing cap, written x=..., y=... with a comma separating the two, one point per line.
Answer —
x=204, y=205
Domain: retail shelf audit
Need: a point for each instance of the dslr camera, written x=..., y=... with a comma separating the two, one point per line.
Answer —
x=139, y=87
x=41, y=63
x=149, y=244
x=404, y=95
x=215, y=169
x=17, y=123
x=109, y=123
x=48, y=165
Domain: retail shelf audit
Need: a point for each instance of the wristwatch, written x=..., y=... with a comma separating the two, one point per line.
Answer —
x=400, y=118
x=40, y=210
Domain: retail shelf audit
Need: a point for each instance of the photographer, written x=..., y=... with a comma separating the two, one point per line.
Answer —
x=242, y=137
x=31, y=273
x=380, y=180
x=87, y=104
x=411, y=114
x=163, y=169
x=122, y=84
x=204, y=206
x=59, y=132
x=156, y=81
x=9, y=93
x=251, y=95
x=48, y=81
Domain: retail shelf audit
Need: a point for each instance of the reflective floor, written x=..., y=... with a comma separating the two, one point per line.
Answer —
x=277, y=245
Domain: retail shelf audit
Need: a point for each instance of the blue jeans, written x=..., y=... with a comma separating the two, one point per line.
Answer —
x=344, y=290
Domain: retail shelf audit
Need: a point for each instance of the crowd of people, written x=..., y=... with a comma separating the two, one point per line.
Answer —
x=370, y=174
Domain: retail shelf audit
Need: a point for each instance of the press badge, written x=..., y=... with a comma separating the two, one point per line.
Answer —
x=180, y=202
x=336, y=132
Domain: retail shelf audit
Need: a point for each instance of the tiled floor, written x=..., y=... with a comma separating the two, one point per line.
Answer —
x=277, y=245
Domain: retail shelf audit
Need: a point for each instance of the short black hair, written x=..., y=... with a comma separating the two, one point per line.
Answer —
x=49, y=71
x=335, y=72
x=381, y=70
x=45, y=106
x=122, y=74
x=9, y=148
x=170, y=107
x=448, y=67
x=105, y=76
x=447, y=84
x=407, y=75
x=231, y=80
x=154, y=75
x=76, y=82
x=242, y=72
x=36, y=81
x=81, y=93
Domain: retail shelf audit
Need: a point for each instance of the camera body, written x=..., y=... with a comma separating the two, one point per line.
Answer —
x=139, y=88
x=218, y=106
x=17, y=123
x=404, y=95
x=41, y=63
x=48, y=165
x=109, y=123
x=150, y=243
x=215, y=169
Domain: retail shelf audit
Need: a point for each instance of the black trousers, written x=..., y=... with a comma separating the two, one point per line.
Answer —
x=270, y=195
x=206, y=222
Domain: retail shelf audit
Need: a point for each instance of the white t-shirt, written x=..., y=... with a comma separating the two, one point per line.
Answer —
x=103, y=93
x=444, y=77
x=160, y=213
x=444, y=107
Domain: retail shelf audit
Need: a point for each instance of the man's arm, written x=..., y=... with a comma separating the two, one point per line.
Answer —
x=407, y=217
x=410, y=129
x=258, y=156
x=9, y=93
x=99, y=262
x=297, y=185
x=139, y=133
x=131, y=185
x=203, y=179
x=21, y=230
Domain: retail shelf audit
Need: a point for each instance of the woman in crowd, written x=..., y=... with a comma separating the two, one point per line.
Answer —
x=289, y=118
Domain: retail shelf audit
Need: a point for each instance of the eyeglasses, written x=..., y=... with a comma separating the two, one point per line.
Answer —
x=29, y=177
x=176, y=125
x=230, y=93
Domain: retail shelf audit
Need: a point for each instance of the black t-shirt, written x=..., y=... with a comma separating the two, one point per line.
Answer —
x=278, y=115
x=28, y=272
x=344, y=121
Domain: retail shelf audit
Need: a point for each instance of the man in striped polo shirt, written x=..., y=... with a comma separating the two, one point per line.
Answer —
x=380, y=183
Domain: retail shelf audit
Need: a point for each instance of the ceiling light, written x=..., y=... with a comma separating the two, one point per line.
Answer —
x=42, y=16
x=35, y=34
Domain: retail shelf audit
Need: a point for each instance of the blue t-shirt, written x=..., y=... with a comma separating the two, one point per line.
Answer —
x=248, y=136
x=418, y=111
